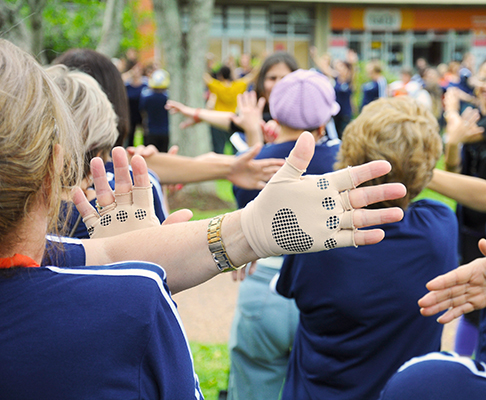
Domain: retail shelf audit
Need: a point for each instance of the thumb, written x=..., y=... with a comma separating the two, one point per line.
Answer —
x=303, y=151
x=252, y=152
x=173, y=150
x=482, y=246
x=261, y=103
x=183, y=215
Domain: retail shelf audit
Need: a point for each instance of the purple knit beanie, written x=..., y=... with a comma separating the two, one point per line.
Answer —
x=303, y=99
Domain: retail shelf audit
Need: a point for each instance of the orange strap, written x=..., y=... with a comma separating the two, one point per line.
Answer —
x=17, y=260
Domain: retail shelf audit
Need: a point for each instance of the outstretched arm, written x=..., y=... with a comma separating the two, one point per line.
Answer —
x=241, y=170
x=467, y=190
x=220, y=119
x=182, y=248
x=460, y=291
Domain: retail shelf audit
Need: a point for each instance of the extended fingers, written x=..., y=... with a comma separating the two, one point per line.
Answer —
x=82, y=203
x=123, y=181
x=140, y=172
x=372, y=236
x=104, y=194
x=364, y=218
x=442, y=299
x=368, y=171
x=364, y=196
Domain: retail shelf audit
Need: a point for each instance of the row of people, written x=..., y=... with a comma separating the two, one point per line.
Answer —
x=73, y=330
x=111, y=248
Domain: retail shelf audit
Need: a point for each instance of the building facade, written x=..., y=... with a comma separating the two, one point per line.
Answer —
x=396, y=32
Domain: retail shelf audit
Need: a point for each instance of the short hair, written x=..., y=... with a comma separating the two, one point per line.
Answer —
x=398, y=130
x=34, y=118
x=107, y=75
x=92, y=111
x=375, y=66
x=224, y=73
x=407, y=71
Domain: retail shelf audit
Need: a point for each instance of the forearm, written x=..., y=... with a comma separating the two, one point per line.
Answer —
x=452, y=157
x=181, y=249
x=220, y=119
x=466, y=190
x=172, y=169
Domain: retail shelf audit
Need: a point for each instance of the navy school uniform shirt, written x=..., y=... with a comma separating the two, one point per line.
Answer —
x=444, y=376
x=109, y=332
x=359, y=318
x=321, y=163
x=343, y=97
x=133, y=94
x=373, y=90
x=82, y=233
x=153, y=103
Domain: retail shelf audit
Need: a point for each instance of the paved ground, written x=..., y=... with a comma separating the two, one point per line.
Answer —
x=207, y=312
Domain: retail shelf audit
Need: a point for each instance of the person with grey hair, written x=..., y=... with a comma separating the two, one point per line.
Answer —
x=111, y=329
x=95, y=117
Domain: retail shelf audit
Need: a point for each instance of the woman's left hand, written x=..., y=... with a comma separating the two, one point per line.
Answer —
x=130, y=207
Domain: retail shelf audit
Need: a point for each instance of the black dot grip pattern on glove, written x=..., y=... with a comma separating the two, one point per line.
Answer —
x=330, y=244
x=140, y=214
x=105, y=220
x=329, y=203
x=122, y=216
x=323, y=183
x=332, y=222
x=287, y=232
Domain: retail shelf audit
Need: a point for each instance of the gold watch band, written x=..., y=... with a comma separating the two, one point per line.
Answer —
x=216, y=246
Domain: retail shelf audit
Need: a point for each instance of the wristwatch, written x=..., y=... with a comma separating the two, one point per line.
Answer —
x=216, y=246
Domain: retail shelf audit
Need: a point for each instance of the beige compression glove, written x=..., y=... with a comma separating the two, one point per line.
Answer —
x=300, y=214
x=130, y=211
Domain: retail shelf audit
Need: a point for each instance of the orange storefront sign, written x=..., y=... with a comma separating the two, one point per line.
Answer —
x=418, y=19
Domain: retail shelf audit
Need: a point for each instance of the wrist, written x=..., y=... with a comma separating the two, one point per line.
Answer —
x=195, y=117
x=236, y=246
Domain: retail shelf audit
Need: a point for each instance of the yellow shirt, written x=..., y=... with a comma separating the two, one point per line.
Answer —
x=226, y=95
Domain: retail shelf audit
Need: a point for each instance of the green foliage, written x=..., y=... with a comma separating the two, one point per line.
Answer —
x=131, y=21
x=77, y=24
x=69, y=24
x=212, y=367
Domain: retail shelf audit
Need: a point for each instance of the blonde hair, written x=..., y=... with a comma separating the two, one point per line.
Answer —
x=92, y=111
x=400, y=131
x=33, y=120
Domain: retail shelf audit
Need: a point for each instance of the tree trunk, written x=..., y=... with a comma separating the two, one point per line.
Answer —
x=13, y=27
x=184, y=55
x=111, y=32
x=37, y=29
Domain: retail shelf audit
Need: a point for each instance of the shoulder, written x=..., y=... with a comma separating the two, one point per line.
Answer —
x=147, y=274
x=424, y=206
x=146, y=92
x=434, y=220
x=370, y=85
x=64, y=251
x=279, y=150
x=437, y=375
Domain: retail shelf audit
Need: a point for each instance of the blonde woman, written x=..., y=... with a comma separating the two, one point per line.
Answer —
x=112, y=331
x=358, y=316
x=96, y=120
